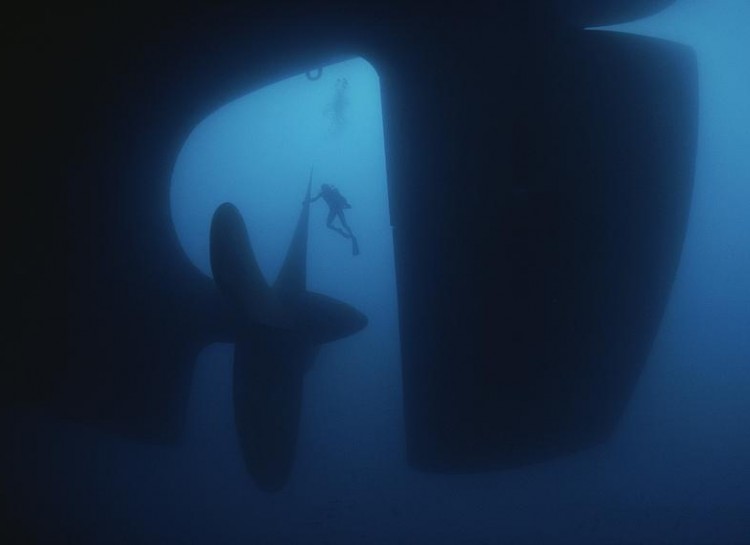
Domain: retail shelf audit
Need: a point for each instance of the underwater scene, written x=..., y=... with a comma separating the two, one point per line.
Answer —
x=310, y=413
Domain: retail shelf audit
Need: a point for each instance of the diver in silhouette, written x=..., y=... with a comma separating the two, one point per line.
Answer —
x=336, y=206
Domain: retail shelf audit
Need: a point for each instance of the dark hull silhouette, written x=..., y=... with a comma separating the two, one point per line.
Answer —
x=539, y=180
x=535, y=255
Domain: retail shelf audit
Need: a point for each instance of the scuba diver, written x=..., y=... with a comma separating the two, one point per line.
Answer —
x=336, y=206
x=336, y=110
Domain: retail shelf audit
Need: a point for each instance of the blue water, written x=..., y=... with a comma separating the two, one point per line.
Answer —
x=676, y=471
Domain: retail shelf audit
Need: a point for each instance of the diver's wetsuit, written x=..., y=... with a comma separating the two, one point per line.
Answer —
x=336, y=206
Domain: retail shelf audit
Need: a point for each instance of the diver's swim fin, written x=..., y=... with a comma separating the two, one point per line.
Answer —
x=355, y=246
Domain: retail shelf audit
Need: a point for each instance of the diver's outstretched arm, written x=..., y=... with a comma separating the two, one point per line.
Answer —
x=313, y=199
